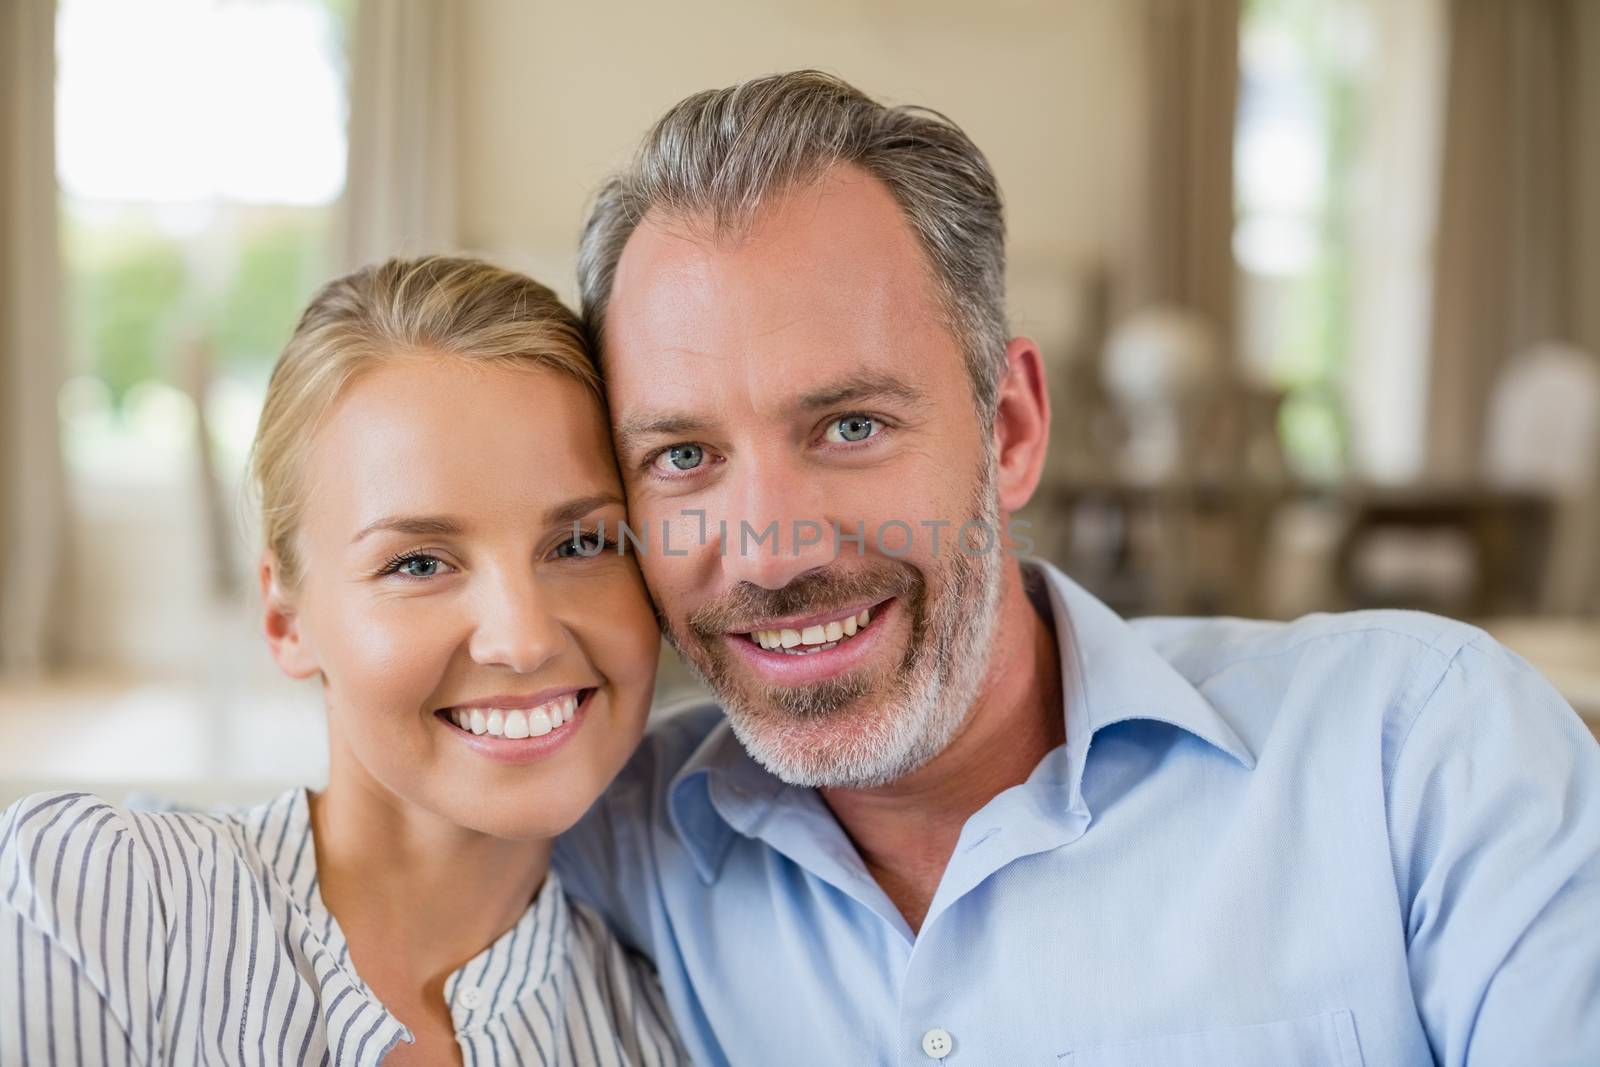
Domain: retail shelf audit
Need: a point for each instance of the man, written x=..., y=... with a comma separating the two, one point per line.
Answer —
x=950, y=807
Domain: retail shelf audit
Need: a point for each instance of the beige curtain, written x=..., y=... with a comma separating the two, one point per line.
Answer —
x=1514, y=258
x=401, y=185
x=32, y=497
x=1183, y=226
x=1395, y=207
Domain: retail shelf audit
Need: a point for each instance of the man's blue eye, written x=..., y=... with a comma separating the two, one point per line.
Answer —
x=852, y=428
x=684, y=457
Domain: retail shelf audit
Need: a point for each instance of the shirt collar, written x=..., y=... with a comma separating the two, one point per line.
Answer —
x=1109, y=674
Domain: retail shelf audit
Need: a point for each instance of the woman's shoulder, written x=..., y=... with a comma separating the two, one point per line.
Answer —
x=59, y=849
x=40, y=833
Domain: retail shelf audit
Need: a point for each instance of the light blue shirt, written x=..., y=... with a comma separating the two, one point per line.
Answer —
x=1352, y=839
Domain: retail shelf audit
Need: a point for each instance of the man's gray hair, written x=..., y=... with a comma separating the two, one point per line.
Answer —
x=719, y=155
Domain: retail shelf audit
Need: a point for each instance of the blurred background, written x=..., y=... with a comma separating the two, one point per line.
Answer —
x=1318, y=280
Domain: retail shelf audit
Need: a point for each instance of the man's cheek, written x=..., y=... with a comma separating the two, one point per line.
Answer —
x=670, y=583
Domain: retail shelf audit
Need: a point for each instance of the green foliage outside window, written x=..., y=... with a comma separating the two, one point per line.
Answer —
x=137, y=296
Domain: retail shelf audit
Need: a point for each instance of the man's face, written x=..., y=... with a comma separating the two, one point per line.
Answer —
x=803, y=376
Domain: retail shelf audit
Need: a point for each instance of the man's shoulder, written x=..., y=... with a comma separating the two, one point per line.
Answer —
x=677, y=732
x=1203, y=648
x=1376, y=668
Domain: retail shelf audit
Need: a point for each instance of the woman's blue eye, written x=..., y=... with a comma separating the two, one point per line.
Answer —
x=682, y=457
x=851, y=428
x=584, y=546
x=419, y=567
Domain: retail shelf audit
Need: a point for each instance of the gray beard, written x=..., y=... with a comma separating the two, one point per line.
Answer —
x=930, y=694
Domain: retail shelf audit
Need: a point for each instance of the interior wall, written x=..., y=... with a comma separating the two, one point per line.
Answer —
x=553, y=97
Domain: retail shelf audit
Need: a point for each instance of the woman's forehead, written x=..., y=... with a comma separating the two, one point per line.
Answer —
x=444, y=437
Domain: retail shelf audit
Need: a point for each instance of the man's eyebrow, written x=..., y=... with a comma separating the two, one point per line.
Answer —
x=632, y=430
x=861, y=390
x=421, y=525
x=577, y=508
x=636, y=428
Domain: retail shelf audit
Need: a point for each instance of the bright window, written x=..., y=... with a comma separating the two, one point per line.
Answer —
x=1299, y=127
x=201, y=148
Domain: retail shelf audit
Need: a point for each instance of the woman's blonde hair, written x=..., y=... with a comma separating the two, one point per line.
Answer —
x=433, y=305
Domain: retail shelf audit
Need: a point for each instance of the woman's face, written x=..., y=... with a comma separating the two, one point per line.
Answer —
x=441, y=583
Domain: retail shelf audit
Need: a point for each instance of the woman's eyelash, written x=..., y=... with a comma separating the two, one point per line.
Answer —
x=590, y=537
x=397, y=561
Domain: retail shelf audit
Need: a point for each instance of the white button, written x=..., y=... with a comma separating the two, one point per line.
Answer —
x=937, y=1043
x=469, y=996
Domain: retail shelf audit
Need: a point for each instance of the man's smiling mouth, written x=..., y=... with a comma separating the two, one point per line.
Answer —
x=817, y=636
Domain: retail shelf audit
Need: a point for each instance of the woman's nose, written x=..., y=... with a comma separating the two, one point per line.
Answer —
x=515, y=627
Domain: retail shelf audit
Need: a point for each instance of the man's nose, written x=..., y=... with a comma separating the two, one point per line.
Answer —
x=777, y=527
x=515, y=626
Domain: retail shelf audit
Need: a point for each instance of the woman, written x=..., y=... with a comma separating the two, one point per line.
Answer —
x=435, y=476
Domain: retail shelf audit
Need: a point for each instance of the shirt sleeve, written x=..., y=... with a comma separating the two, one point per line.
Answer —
x=1494, y=820
x=81, y=935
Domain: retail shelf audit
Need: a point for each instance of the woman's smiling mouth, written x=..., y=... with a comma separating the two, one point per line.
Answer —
x=516, y=729
x=493, y=718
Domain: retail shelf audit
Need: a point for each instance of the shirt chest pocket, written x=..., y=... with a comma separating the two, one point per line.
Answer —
x=1327, y=1040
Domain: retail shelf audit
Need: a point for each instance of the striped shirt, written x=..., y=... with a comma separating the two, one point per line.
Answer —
x=154, y=938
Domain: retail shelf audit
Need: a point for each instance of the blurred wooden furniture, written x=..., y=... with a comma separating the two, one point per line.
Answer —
x=1201, y=546
x=1542, y=433
x=1498, y=541
x=1190, y=547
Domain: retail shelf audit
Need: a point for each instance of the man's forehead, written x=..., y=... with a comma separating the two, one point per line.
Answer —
x=824, y=300
x=838, y=245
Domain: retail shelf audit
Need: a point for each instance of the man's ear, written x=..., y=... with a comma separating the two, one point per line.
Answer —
x=1021, y=425
x=281, y=624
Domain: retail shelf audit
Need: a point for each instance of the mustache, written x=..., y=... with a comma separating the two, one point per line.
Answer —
x=815, y=592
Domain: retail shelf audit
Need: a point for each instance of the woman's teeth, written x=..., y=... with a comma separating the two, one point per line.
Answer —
x=817, y=638
x=515, y=723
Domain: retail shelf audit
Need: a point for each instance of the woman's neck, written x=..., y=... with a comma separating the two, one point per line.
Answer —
x=416, y=895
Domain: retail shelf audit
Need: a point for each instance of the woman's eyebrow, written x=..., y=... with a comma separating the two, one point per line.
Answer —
x=436, y=525
x=577, y=508
x=444, y=526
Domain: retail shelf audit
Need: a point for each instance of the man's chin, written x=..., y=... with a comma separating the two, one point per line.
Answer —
x=830, y=704
x=841, y=750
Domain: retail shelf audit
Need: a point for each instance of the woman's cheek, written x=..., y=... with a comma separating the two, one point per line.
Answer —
x=618, y=630
x=390, y=656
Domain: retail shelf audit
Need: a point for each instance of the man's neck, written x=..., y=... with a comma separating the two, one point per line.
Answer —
x=906, y=831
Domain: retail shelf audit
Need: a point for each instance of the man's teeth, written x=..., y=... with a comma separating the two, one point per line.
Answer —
x=816, y=638
x=515, y=723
